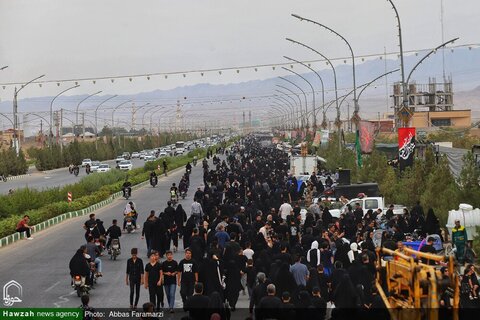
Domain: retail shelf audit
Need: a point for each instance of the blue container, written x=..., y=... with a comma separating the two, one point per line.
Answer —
x=414, y=245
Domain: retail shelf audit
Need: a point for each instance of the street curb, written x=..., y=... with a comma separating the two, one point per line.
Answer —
x=5, y=241
x=18, y=177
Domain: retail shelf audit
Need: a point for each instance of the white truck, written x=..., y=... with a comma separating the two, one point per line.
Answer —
x=300, y=165
x=367, y=203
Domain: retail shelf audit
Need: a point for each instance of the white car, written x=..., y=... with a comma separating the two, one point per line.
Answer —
x=103, y=167
x=125, y=165
x=135, y=155
x=94, y=166
x=86, y=161
x=119, y=159
x=162, y=153
x=149, y=158
x=142, y=155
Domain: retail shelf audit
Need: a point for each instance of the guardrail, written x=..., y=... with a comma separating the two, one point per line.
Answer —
x=5, y=241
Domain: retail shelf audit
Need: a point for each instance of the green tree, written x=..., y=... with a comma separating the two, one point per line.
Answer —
x=468, y=181
x=441, y=191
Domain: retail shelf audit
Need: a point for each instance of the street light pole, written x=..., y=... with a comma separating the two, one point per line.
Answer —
x=113, y=113
x=323, y=91
x=304, y=95
x=313, y=95
x=15, y=115
x=96, y=123
x=351, y=52
x=338, y=122
x=3, y=68
x=51, y=112
x=402, y=66
x=78, y=105
x=295, y=94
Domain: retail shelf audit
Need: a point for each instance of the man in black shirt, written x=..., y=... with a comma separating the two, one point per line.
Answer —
x=269, y=306
x=114, y=232
x=187, y=275
x=90, y=225
x=428, y=248
x=197, y=304
x=152, y=280
x=169, y=272
x=134, y=277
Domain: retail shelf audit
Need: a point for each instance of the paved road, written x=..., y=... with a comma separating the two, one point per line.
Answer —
x=41, y=266
x=55, y=178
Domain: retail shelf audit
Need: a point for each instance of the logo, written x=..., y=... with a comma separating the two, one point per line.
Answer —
x=12, y=287
x=408, y=147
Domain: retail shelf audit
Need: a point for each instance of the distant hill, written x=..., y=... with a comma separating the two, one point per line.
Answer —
x=463, y=64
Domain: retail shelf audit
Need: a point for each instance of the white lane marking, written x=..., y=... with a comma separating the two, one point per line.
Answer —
x=47, y=177
x=64, y=299
x=53, y=286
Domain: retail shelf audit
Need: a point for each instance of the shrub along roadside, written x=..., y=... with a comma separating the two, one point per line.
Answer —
x=51, y=203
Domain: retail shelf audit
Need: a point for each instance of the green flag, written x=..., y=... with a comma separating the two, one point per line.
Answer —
x=358, y=149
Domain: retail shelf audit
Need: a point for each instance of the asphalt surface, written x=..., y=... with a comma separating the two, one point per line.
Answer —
x=41, y=265
x=54, y=178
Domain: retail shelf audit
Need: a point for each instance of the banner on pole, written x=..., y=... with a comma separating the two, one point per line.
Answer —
x=406, y=147
x=367, y=136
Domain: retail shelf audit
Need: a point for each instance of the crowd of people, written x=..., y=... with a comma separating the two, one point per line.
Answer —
x=245, y=234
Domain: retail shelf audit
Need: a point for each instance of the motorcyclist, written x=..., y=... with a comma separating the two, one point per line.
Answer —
x=127, y=185
x=76, y=170
x=153, y=177
x=70, y=168
x=195, y=159
x=183, y=186
x=130, y=212
x=174, y=192
x=113, y=232
x=188, y=168
x=79, y=265
x=90, y=227
x=88, y=170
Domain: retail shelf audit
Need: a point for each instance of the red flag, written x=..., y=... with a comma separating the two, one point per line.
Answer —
x=367, y=132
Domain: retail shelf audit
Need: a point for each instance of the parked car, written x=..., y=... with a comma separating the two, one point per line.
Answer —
x=135, y=155
x=142, y=154
x=162, y=153
x=86, y=161
x=126, y=155
x=103, y=167
x=119, y=158
x=149, y=158
x=94, y=166
x=125, y=165
x=367, y=203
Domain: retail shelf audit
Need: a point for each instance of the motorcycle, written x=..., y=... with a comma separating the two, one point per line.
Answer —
x=194, y=162
x=173, y=198
x=76, y=171
x=114, y=249
x=127, y=193
x=79, y=286
x=88, y=170
x=183, y=194
x=153, y=181
x=129, y=225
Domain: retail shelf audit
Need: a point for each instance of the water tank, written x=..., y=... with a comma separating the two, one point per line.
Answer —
x=469, y=218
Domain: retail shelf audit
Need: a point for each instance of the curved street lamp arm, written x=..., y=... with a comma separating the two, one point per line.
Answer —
x=331, y=65
x=11, y=121
x=426, y=56
x=78, y=105
x=311, y=69
x=344, y=40
x=26, y=84
x=369, y=83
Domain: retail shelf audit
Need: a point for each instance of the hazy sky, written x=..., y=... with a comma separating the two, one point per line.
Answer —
x=91, y=38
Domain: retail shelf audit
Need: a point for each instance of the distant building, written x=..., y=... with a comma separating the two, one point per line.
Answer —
x=432, y=105
x=6, y=137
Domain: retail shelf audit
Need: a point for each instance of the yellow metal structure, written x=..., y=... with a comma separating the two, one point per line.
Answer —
x=411, y=289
